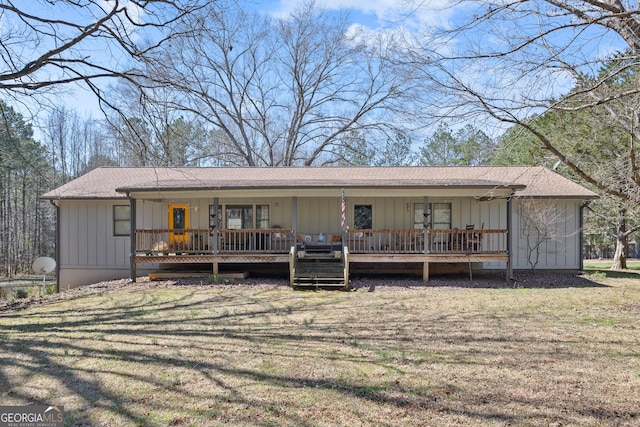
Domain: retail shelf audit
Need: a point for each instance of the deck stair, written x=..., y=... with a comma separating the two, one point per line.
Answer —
x=319, y=270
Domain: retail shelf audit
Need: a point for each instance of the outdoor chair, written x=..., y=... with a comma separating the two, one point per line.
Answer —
x=474, y=239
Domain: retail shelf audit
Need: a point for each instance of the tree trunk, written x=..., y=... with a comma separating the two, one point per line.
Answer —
x=620, y=256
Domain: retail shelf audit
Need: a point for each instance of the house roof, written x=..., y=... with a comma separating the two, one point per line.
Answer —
x=114, y=183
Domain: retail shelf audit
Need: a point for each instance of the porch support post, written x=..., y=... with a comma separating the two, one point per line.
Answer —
x=425, y=228
x=509, y=235
x=294, y=245
x=425, y=271
x=216, y=233
x=216, y=221
x=343, y=220
x=132, y=237
x=294, y=218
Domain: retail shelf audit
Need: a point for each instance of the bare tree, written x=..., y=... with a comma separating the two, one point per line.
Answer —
x=71, y=141
x=513, y=61
x=282, y=92
x=149, y=130
x=539, y=219
x=46, y=47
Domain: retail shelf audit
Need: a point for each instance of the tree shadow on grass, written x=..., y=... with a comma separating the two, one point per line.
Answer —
x=197, y=342
x=38, y=349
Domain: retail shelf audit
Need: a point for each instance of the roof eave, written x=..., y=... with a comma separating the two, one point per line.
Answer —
x=132, y=189
x=557, y=196
x=58, y=197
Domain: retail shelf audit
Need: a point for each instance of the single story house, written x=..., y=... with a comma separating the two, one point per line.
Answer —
x=315, y=224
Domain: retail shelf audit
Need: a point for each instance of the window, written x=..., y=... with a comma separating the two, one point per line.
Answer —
x=419, y=218
x=363, y=217
x=438, y=216
x=179, y=215
x=441, y=218
x=262, y=216
x=239, y=217
x=121, y=220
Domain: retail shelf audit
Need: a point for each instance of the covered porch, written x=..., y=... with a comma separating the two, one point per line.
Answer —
x=294, y=225
x=277, y=245
x=165, y=242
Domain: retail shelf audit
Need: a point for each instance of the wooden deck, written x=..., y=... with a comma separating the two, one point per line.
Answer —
x=265, y=246
x=189, y=242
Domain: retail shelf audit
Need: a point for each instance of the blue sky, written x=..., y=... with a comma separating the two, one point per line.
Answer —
x=374, y=15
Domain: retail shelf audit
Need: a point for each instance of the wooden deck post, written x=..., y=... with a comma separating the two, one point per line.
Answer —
x=215, y=268
x=425, y=229
x=216, y=233
x=294, y=246
x=425, y=271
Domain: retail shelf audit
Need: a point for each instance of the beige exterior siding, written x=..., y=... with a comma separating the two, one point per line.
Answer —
x=561, y=252
x=86, y=235
x=89, y=251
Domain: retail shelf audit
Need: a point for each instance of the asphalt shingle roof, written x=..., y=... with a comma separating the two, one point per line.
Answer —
x=113, y=183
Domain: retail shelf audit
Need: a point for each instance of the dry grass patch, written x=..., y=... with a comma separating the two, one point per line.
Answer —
x=267, y=355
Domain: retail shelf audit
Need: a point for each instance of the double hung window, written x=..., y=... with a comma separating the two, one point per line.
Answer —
x=240, y=217
x=121, y=220
x=438, y=216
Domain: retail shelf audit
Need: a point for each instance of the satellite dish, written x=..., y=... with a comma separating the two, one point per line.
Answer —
x=43, y=265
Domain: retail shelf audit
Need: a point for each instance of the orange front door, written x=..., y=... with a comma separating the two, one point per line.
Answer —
x=178, y=224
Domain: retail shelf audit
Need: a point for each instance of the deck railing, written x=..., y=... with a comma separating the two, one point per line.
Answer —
x=280, y=241
x=202, y=241
x=412, y=241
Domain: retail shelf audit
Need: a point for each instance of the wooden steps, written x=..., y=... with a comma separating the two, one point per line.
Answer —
x=319, y=271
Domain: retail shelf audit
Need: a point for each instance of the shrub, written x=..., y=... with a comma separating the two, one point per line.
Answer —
x=21, y=293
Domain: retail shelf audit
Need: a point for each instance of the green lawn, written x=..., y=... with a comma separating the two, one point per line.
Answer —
x=270, y=356
x=605, y=264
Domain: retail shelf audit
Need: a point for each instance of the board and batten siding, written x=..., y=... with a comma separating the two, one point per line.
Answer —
x=317, y=215
x=89, y=251
x=561, y=251
x=323, y=214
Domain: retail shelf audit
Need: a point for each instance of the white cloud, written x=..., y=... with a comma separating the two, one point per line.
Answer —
x=378, y=14
x=135, y=14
